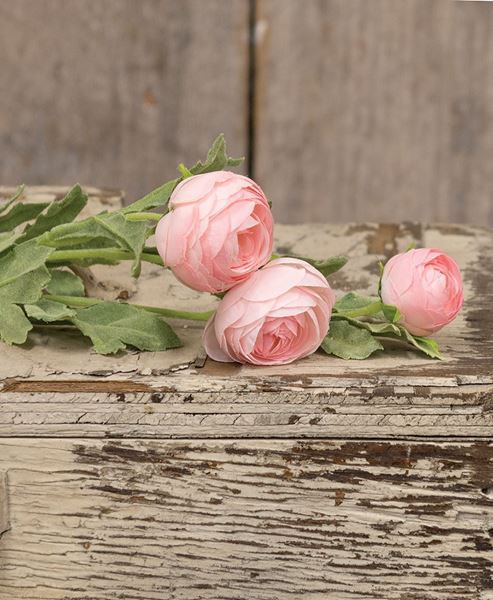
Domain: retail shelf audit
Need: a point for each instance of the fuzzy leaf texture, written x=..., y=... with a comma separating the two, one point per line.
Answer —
x=352, y=302
x=58, y=212
x=107, y=230
x=349, y=342
x=23, y=275
x=65, y=283
x=112, y=327
x=49, y=311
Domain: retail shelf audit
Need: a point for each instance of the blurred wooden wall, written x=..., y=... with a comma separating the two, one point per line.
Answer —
x=348, y=109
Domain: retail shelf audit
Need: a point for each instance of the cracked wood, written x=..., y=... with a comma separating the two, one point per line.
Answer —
x=56, y=386
x=214, y=520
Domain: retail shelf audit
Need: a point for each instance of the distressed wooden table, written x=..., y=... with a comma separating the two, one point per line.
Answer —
x=168, y=476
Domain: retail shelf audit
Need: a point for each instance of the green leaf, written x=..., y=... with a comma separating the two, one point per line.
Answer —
x=88, y=233
x=423, y=344
x=22, y=260
x=58, y=212
x=7, y=240
x=102, y=231
x=65, y=283
x=112, y=327
x=49, y=311
x=377, y=328
x=17, y=194
x=23, y=276
x=216, y=159
x=14, y=325
x=353, y=301
x=129, y=235
x=349, y=342
x=157, y=198
x=20, y=213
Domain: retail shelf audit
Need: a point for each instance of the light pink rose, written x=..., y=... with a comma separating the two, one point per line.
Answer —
x=279, y=314
x=219, y=229
x=426, y=287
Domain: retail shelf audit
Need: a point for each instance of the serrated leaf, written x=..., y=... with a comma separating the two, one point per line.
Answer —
x=49, y=311
x=349, y=342
x=20, y=213
x=129, y=235
x=101, y=231
x=112, y=327
x=216, y=159
x=65, y=283
x=58, y=212
x=23, y=276
x=327, y=266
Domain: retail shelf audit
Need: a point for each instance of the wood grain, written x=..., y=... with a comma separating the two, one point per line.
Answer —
x=377, y=110
x=118, y=92
x=231, y=520
x=55, y=386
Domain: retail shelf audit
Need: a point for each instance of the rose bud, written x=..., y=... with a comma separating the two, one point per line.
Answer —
x=218, y=231
x=279, y=314
x=426, y=287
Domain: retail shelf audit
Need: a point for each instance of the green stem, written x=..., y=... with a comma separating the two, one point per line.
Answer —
x=143, y=216
x=83, y=302
x=365, y=311
x=103, y=253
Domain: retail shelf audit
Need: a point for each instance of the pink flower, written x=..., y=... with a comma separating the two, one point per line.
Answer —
x=426, y=287
x=279, y=314
x=218, y=231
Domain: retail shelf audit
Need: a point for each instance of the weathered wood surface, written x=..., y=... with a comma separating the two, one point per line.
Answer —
x=118, y=92
x=361, y=110
x=55, y=386
x=376, y=110
x=260, y=520
x=213, y=516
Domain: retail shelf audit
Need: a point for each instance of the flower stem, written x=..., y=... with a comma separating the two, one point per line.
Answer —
x=103, y=253
x=83, y=302
x=143, y=216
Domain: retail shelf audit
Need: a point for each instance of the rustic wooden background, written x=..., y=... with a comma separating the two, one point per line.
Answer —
x=345, y=109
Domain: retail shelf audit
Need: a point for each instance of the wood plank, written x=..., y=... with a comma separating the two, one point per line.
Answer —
x=350, y=412
x=117, y=93
x=377, y=110
x=229, y=520
x=55, y=386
